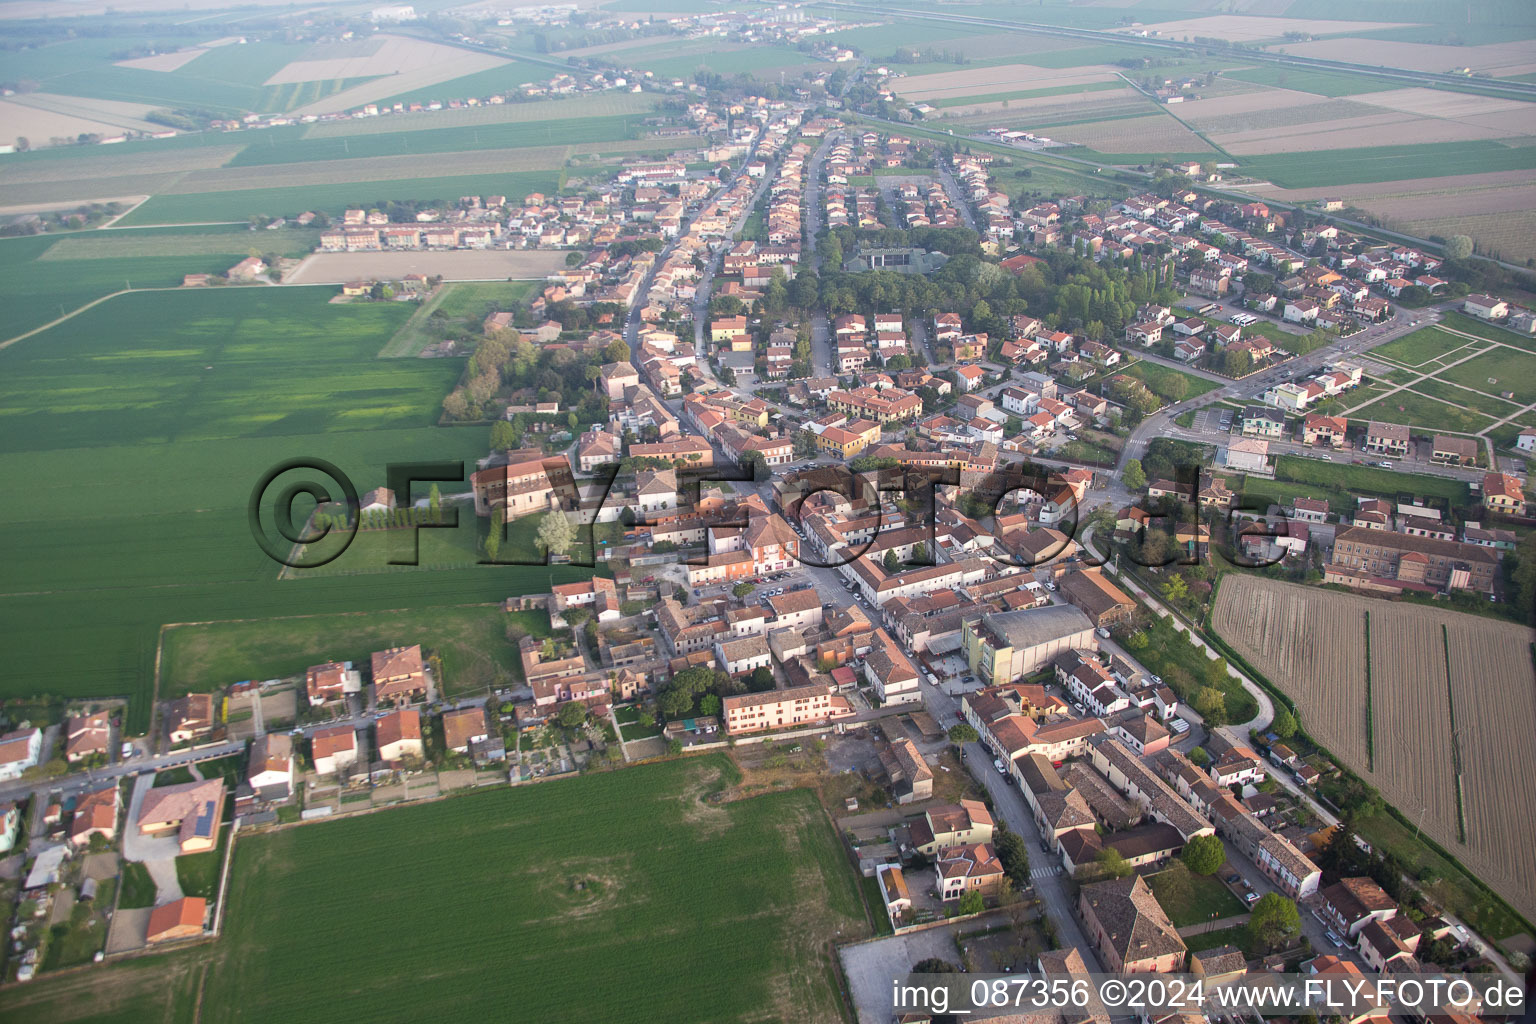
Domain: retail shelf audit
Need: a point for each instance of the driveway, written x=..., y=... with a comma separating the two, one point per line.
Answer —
x=140, y=847
x=871, y=966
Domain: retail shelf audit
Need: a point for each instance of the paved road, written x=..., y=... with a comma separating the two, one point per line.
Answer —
x=958, y=196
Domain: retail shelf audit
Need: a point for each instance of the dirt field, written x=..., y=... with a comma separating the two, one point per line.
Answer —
x=1510, y=236
x=1046, y=108
x=1311, y=644
x=1157, y=133
x=164, y=61
x=40, y=116
x=608, y=104
x=1274, y=108
x=1003, y=77
x=1384, y=129
x=458, y=265
x=1207, y=111
x=1247, y=29
x=1404, y=186
x=374, y=168
x=96, y=166
x=1499, y=59
x=404, y=64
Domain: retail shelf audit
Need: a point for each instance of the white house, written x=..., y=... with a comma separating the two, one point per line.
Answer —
x=19, y=751
x=1485, y=306
x=1249, y=455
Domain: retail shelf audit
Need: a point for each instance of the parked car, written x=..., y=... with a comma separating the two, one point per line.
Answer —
x=1234, y=879
x=997, y=763
x=1103, y=633
x=1250, y=897
x=1338, y=943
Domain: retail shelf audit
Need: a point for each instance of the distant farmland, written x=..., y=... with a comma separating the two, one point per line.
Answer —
x=1448, y=723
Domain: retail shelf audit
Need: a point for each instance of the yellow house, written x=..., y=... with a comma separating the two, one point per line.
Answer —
x=741, y=343
x=355, y=288
x=848, y=441
x=727, y=328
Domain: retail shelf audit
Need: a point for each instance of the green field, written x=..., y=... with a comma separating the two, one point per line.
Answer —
x=513, y=904
x=1157, y=377
x=583, y=107
x=472, y=641
x=1350, y=479
x=1024, y=94
x=1388, y=163
x=1484, y=404
x=1482, y=329
x=242, y=204
x=1511, y=370
x=173, y=405
x=1420, y=346
x=1421, y=411
x=1212, y=900
x=508, y=135
x=1323, y=83
x=762, y=57
x=502, y=79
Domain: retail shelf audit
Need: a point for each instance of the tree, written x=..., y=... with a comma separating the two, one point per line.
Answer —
x=934, y=965
x=762, y=679
x=1176, y=589
x=1112, y=863
x=1458, y=247
x=1134, y=477
x=555, y=533
x=972, y=902
x=1174, y=888
x=1275, y=922
x=742, y=589
x=1013, y=855
x=1199, y=758
x=1211, y=704
x=963, y=733
x=1203, y=855
x=493, y=541
x=1284, y=724
x=892, y=562
x=503, y=435
x=572, y=714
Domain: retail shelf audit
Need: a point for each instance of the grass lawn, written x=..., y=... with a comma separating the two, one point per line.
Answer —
x=629, y=724
x=1369, y=480
x=1237, y=936
x=1455, y=890
x=1503, y=369
x=1483, y=329
x=1421, y=411
x=1420, y=346
x=1211, y=900
x=198, y=873
x=471, y=639
x=1484, y=404
x=1183, y=667
x=138, y=888
x=173, y=776
x=765, y=874
x=1158, y=377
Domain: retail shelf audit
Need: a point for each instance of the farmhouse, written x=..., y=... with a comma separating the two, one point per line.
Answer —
x=191, y=810
x=949, y=825
x=1129, y=928
x=814, y=704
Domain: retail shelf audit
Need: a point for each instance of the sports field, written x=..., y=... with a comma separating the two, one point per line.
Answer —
x=619, y=897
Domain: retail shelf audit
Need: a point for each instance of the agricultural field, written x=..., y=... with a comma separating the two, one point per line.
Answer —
x=1153, y=134
x=471, y=639
x=455, y=265
x=1334, y=167
x=764, y=873
x=993, y=79
x=1498, y=59
x=242, y=204
x=176, y=403
x=1426, y=748
x=583, y=108
x=1323, y=83
x=508, y=135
